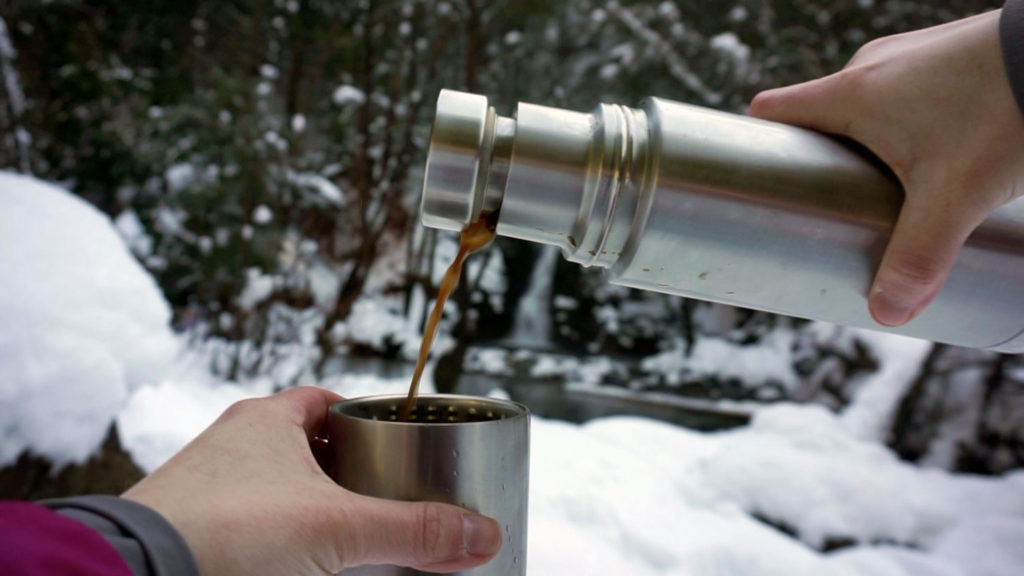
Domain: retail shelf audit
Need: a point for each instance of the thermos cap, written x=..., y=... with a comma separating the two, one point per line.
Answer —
x=453, y=175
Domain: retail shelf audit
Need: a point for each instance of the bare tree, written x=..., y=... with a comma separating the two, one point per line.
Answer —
x=16, y=137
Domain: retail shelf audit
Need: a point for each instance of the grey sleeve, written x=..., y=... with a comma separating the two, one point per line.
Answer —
x=145, y=540
x=1011, y=40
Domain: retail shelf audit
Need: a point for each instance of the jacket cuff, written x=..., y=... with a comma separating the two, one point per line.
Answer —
x=147, y=542
x=1011, y=41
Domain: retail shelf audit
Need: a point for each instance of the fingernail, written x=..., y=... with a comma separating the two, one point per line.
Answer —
x=889, y=310
x=480, y=535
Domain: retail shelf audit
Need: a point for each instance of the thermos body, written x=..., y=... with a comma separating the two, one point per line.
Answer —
x=713, y=206
x=786, y=220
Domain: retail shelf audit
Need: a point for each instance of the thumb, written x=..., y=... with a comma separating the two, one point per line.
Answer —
x=424, y=535
x=920, y=254
x=823, y=104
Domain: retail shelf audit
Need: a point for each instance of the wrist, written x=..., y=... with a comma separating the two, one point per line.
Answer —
x=142, y=536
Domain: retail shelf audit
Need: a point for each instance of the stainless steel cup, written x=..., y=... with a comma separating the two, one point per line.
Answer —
x=468, y=451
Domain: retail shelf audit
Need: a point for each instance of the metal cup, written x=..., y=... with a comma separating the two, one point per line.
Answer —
x=469, y=451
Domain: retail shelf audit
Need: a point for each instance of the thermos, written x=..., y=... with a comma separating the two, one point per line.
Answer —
x=713, y=206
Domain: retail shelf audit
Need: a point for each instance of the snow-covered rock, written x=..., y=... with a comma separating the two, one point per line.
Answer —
x=82, y=324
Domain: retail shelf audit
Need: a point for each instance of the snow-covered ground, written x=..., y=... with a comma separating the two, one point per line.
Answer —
x=84, y=340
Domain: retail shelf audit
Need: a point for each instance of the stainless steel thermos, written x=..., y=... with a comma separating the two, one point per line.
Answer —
x=468, y=451
x=714, y=206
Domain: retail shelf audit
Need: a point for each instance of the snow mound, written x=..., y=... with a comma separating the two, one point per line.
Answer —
x=625, y=495
x=82, y=324
x=799, y=466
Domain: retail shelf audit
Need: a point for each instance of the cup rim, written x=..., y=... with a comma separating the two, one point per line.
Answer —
x=362, y=408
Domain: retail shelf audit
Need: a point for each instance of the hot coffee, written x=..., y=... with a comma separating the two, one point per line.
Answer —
x=472, y=238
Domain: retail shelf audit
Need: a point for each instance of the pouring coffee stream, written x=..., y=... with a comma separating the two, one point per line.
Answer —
x=473, y=237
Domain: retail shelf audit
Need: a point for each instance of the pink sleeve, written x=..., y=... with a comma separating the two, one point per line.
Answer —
x=35, y=541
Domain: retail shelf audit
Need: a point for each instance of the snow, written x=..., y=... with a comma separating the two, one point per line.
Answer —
x=771, y=362
x=798, y=465
x=591, y=372
x=632, y=496
x=319, y=184
x=84, y=329
x=180, y=176
x=488, y=361
x=134, y=235
x=82, y=325
x=269, y=71
x=609, y=72
x=258, y=287
x=677, y=66
x=275, y=140
x=378, y=325
x=730, y=44
x=324, y=282
x=738, y=14
x=346, y=94
x=870, y=414
x=262, y=214
x=548, y=365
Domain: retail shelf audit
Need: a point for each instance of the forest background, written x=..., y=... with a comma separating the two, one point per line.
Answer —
x=263, y=160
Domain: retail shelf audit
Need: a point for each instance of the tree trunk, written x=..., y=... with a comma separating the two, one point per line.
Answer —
x=15, y=102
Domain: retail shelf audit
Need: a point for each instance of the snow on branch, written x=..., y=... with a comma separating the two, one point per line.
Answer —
x=676, y=66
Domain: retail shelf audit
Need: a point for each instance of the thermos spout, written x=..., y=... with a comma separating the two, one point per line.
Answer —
x=556, y=176
x=460, y=157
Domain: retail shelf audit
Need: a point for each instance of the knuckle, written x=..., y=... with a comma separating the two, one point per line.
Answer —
x=244, y=409
x=239, y=408
x=863, y=72
x=917, y=268
x=873, y=49
x=1010, y=193
x=440, y=532
x=853, y=80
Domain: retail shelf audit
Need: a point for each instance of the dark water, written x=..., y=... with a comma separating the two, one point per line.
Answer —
x=554, y=400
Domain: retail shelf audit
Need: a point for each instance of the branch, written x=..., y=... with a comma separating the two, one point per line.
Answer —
x=677, y=68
